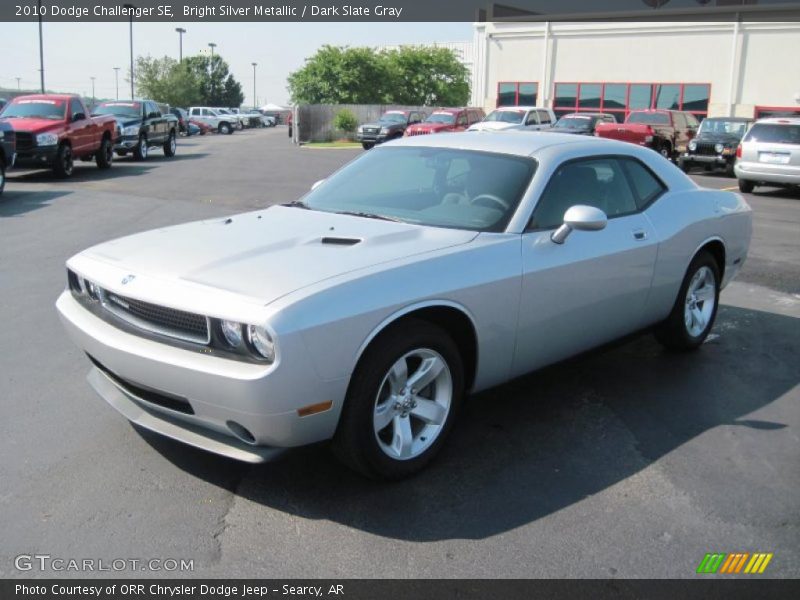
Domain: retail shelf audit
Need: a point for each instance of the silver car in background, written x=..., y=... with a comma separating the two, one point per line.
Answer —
x=769, y=154
x=364, y=312
x=516, y=118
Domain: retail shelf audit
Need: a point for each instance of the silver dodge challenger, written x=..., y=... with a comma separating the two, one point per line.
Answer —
x=426, y=269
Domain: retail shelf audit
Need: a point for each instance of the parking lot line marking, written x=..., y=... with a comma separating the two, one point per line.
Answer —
x=730, y=189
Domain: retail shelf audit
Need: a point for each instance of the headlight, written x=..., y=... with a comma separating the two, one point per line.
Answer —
x=719, y=148
x=262, y=341
x=360, y=128
x=132, y=130
x=46, y=139
x=385, y=130
x=232, y=332
x=692, y=146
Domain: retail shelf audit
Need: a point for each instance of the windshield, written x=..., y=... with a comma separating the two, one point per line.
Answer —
x=774, y=133
x=131, y=110
x=222, y=111
x=393, y=118
x=447, y=118
x=35, y=109
x=574, y=122
x=723, y=127
x=440, y=187
x=649, y=118
x=506, y=116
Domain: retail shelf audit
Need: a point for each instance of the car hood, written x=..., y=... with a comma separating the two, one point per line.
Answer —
x=32, y=125
x=720, y=138
x=493, y=126
x=270, y=253
x=127, y=121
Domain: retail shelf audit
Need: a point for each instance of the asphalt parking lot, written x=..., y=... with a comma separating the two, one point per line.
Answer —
x=628, y=462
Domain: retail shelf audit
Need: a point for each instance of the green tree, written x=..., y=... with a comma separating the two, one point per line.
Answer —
x=414, y=75
x=341, y=75
x=217, y=86
x=197, y=80
x=422, y=75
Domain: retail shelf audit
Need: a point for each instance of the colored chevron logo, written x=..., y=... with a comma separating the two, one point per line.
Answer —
x=734, y=563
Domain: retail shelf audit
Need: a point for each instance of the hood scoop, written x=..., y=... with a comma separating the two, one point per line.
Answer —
x=340, y=241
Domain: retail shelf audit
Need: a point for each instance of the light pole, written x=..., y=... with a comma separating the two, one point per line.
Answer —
x=180, y=31
x=18, y=78
x=41, y=44
x=211, y=45
x=131, y=7
x=92, y=78
x=254, y=85
x=116, y=80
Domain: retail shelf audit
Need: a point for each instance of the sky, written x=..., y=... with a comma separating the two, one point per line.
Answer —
x=75, y=52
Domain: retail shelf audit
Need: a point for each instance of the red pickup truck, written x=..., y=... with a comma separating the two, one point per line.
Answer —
x=52, y=130
x=668, y=132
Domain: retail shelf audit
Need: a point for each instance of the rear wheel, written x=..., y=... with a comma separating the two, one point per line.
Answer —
x=64, y=163
x=105, y=155
x=401, y=403
x=695, y=308
x=746, y=186
x=665, y=150
x=140, y=151
x=170, y=145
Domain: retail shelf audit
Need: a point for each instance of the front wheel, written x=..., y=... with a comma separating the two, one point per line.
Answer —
x=746, y=186
x=225, y=128
x=2, y=176
x=105, y=155
x=140, y=151
x=366, y=145
x=64, y=163
x=695, y=309
x=665, y=150
x=401, y=403
x=170, y=145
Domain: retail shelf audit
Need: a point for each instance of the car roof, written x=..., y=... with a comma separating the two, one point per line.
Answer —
x=519, y=143
x=516, y=108
x=588, y=114
x=780, y=121
x=737, y=119
x=47, y=97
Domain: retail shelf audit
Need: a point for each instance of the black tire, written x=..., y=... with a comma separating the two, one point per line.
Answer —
x=171, y=145
x=140, y=152
x=290, y=131
x=674, y=332
x=122, y=153
x=64, y=163
x=746, y=186
x=665, y=150
x=356, y=442
x=685, y=166
x=225, y=128
x=105, y=155
x=729, y=170
x=367, y=145
x=2, y=176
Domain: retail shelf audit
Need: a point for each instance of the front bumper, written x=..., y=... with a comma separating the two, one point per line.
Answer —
x=706, y=160
x=225, y=395
x=767, y=173
x=38, y=156
x=127, y=142
x=370, y=138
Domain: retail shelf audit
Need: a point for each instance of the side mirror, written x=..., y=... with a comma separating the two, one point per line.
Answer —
x=581, y=218
x=317, y=184
x=78, y=117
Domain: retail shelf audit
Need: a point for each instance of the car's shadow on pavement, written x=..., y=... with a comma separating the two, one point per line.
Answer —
x=530, y=448
x=84, y=172
x=15, y=202
x=158, y=157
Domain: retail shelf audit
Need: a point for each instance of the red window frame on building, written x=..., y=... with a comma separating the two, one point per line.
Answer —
x=758, y=112
x=516, y=85
x=622, y=113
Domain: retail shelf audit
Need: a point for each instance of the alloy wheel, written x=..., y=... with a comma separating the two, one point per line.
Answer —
x=701, y=297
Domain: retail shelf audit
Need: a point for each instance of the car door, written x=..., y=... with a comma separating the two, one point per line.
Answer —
x=157, y=123
x=531, y=121
x=80, y=130
x=593, y=288
x=461, y=121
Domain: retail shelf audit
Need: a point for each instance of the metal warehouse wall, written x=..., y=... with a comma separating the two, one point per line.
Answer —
x=746, y=64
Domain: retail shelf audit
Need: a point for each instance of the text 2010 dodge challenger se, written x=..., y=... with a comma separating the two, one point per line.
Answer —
x=428, y=268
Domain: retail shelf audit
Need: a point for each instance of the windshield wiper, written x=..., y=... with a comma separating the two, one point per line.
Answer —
x=368, y=215
x=297, y=204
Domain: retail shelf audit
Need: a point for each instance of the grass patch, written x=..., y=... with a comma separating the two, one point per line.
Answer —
x=342, y=144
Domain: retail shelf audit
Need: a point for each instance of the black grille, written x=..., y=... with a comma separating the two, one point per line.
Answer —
x=24, y=142
x=168, y=321
x=175, y=403
x=706, y=149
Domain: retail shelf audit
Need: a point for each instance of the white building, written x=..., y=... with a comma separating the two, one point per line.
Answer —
x=712, y=69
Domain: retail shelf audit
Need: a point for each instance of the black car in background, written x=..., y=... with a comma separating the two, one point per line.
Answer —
x=581, y=123
x=7, y=152
x=714, y=146
x=143, y=125
x=391, y=125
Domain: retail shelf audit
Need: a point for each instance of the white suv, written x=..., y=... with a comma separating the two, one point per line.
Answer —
x=213, y=118
x=769, y=154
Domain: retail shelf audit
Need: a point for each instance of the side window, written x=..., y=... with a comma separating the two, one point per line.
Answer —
x=206, y=112
x=75, y=107
x=646, y=186
x=544, y=117
x=461, y=121
x=693, y=122
x=597, y=182
x=532, y=118
x=679, y=121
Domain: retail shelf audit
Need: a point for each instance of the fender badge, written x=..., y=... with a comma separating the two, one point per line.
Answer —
x=127, y=279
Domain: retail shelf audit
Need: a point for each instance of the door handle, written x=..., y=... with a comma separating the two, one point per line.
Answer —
x=639, y=235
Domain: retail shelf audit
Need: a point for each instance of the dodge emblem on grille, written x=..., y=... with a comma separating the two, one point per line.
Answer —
x=127, y=279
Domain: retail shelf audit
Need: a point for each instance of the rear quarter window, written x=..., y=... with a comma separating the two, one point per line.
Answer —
x=774, y=133
x=646, y=186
